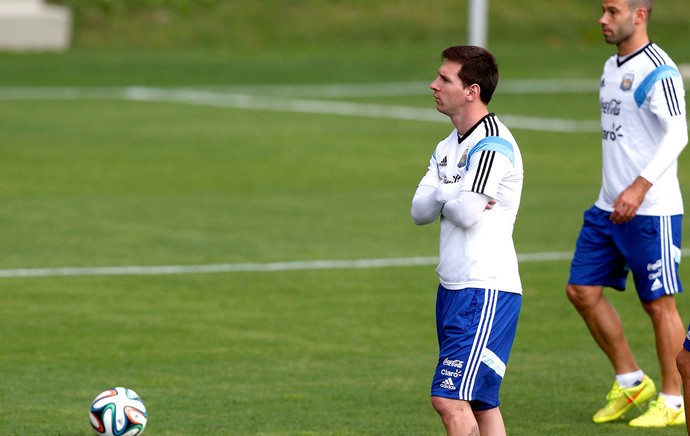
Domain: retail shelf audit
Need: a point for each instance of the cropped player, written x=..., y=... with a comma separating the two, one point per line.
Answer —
x=635, y=224
x=683, y=363
x=473, y=185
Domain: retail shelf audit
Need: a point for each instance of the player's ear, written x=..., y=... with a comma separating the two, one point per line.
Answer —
x=473, y=92
x=641, y=15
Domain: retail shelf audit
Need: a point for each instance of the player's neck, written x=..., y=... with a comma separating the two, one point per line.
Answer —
x=465, y=121
x=633, y=44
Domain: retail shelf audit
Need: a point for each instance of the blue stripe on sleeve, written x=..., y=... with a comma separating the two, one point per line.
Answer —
x=493, y=143
x=660, y=73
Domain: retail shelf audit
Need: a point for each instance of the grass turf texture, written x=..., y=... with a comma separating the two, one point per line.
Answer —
x=337, y=352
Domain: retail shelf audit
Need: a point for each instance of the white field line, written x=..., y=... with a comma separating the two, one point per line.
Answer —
x=252, y=267
x=549, y=256
x=207, y=98
x=336, y=90
x=286, y=100
x=401, y=89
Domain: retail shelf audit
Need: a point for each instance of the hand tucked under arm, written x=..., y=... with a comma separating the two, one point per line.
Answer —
x=447, y=192
x=467, y=209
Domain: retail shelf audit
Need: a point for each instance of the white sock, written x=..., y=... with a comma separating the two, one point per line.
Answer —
x=630, y=379
x=672, y=401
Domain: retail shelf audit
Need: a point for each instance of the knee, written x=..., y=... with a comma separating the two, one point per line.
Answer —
x=683, y=363
x=661, y=307
x=457, y=415
x=448, y=408
x=653, y=308
x=580, y=296
x=440, y=405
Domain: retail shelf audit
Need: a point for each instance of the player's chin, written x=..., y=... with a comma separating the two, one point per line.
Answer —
x=610, y=38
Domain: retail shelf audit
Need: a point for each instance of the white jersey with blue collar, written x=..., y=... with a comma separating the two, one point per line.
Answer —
x=643, y=129
x=486, y=160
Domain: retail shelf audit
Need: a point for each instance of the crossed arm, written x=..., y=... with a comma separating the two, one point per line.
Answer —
x=462, y=208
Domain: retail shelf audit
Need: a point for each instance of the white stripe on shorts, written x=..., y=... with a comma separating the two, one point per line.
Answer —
x=669, y=255
x=490, y=359
x=480, y=340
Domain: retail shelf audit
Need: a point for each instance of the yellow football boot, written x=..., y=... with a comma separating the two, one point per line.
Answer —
x=620, y=400
x=659, y=415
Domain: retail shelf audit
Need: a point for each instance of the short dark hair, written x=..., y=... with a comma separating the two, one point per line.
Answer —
x=478, y=66
x=645, y=4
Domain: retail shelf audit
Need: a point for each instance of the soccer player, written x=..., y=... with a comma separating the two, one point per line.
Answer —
x=635, y=224
x=473, y=185
x=683, y=363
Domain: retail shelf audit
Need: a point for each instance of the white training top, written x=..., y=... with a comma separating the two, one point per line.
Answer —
x=486, y=160
x=643, y=129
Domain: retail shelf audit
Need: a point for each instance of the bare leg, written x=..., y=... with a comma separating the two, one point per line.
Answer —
x=669, y=333
x=683, y=363
x=457, y=416
x=490, y=422
x=604, y=324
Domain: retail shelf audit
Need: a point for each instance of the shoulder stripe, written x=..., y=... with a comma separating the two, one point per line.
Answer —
x=493, y=143
x=663, y=72
x=654, y=55
x=487, y=149
x=490, y=126
x=671, y=97
x=486, y=161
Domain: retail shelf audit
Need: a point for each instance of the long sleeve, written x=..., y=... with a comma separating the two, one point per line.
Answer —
x=425, y=207
x=467, y=209
x=674, y=141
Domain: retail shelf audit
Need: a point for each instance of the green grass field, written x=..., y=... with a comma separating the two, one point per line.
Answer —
x=94, y=173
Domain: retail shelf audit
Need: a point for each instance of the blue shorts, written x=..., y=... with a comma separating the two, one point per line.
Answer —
x=686, y=343
x=476, y=329
x=649, y=246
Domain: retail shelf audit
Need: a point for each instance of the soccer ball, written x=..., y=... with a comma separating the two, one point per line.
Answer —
x=118, y=412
